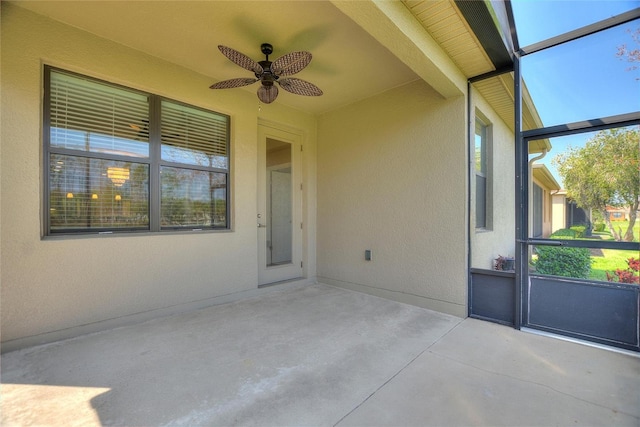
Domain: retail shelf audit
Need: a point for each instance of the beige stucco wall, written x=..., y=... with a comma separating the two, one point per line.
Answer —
x=558, y=211
x=57, y=287
x=486, y=245
x=391, y=178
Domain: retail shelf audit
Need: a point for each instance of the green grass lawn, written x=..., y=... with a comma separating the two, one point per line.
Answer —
x=620, y=225
x=613, y=259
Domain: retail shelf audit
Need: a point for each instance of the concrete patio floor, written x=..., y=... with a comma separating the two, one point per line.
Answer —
x=318, y=355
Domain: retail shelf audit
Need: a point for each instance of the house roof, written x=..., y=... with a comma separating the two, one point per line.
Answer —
x=544, y=176
x=360, y=48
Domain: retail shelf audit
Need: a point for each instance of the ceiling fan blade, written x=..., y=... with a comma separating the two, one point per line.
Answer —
x=267, y=94
x=241, y=59
x=299, y=87
x=228, y=84
x=290, y=63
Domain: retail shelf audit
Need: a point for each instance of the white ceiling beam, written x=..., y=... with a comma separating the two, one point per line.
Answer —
x=394, y=27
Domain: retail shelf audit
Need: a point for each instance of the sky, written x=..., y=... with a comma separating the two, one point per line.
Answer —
x=583, y=79
x=538, y=20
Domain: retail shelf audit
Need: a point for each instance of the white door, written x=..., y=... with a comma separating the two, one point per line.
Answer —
x=279, y=216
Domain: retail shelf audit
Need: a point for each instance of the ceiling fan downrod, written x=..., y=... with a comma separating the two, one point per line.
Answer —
x=267, y=77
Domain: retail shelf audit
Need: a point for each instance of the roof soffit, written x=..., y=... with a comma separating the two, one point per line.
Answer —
x=543, y=175
x=478, y=49
x=483, y=23
x=447, y=26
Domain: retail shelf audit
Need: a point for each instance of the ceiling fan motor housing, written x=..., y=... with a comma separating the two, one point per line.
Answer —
x=266, y=77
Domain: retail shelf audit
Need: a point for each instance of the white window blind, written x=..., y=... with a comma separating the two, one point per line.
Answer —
x=95, y=117
x=194, y=136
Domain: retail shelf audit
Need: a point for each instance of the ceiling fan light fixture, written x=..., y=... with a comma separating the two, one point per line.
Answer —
x=268, y=94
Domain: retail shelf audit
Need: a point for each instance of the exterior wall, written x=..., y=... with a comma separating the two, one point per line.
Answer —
x=547, y=225
x=499, y=239
x=53, y=288
x=392, y=179
x=558, y=211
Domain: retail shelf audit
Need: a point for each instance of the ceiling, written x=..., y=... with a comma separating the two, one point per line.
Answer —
x=360, y=48
x=348, y=64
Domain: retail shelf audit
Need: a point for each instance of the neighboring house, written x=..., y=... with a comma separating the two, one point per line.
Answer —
x=617, y=214
x=544, y=188
x=566, y=212
x=559, y=210
x=380, y=162
x=577, y=215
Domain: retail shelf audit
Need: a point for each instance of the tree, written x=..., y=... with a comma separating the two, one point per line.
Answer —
x=628, y=53
x=605, y=172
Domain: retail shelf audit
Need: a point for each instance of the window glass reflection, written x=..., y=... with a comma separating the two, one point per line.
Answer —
x=97, y=194
x=193, y=198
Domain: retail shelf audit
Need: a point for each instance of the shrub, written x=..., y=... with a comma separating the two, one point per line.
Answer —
x=579, y=229
x=567, y=262
x=564, y=233
x=630, y=275
x=598, y=227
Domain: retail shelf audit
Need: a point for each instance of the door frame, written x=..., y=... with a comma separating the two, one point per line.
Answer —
x=508, y=300
x=272, y=274
x=577, y=308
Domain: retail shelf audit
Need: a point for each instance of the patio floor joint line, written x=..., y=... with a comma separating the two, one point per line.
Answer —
x=533, y=383
x=399, y=371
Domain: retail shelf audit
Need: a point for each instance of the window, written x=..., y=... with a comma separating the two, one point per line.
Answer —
x=122, y=160
x=482, y=169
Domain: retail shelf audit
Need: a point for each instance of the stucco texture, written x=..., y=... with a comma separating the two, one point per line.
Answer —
x=499, y=238
x=391, y=180
x=58, y=284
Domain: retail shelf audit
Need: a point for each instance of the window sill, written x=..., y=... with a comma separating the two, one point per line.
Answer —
x=483, y=230
x=82, y=236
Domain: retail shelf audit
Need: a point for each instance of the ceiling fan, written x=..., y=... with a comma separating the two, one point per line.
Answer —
x=267, y=73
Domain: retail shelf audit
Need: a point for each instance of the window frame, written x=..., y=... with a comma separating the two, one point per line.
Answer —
x=485, y=172
x=154, y=163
